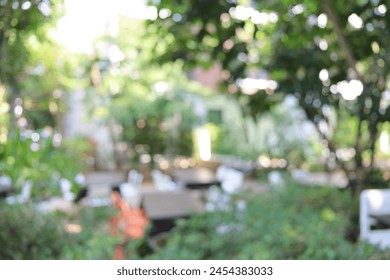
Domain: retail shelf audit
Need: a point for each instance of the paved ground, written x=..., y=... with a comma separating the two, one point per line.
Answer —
x=255, y=185
x=336, y=179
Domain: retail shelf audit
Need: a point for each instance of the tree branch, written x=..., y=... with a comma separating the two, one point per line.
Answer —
x=342, y=40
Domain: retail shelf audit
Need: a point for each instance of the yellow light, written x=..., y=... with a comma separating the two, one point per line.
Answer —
x=204, y=144
x=73, y=228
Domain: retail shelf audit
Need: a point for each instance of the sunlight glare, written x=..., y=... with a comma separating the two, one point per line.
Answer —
x=324, y=75
x=350, y=90
x=322, y=20
x=204, y=142
x=355, y=21
x=79, y=28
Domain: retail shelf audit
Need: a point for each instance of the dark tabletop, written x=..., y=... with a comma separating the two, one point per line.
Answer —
x=198, y=177
x=382, y=218
x=170, y=205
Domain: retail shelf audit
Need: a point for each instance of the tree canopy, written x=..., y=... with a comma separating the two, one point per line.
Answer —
x=22, y=24
x=28, y=53
x=331, y=56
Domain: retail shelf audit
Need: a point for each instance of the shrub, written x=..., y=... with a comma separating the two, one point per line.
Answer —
x=42, y=162
x=25, y=234
x=94, y=241
x=296, y=223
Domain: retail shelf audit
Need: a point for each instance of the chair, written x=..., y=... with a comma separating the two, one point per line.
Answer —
x=131, y=194
x=221, y=172
x=375, y=209
x=135, y=178
x=162, y=181
x=66, y=189
x=5, y=181
x=80, y=179
x=217, y=200
x=130, y=189
x=275, y=178
x=232, y=181
x=5, y=186
x=24, y=195
x=99, y=196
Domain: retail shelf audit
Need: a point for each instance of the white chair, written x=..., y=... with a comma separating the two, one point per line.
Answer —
x=66, y=189
x=216, y=200
x=221, y=172
x=374, y=204
x=5, y=181
x=99, y=196
x=163, y=182
x=80, y=179
x=130, y=189
x=5, y=185
x=135, y=178
x=24, y=195
x=232, y=181
x=276, y=180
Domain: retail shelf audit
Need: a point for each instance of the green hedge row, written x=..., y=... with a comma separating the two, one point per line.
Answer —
x=293, y=223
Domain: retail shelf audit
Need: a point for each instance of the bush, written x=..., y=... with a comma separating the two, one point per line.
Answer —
x=94, y=241
x=296, y=223
x=27, y=234
x=42, y=162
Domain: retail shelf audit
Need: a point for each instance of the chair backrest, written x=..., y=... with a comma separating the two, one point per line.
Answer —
x=372, y=202
x=221, y=172
x=5, y=181
x=162, y=181
x=131, y=194
x=275, y=178
x=26, y=190
x=156, y=175
x=233, y=181
x=65, y=185
x=80, y=179
x=216, y=199
x=135, y=178
x=128, y=190
x=66, y=189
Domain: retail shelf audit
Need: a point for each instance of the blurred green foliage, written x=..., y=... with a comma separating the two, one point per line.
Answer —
x=27, y=234
x=94, y=241
x=293, y=223
x=43, y=162
x=34, y=70
x=308, y=47
x=23, y=25
x=153, y=104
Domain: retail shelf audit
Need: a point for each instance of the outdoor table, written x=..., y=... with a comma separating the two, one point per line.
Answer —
x=384, y=219
x=164, y=208
x=101, y=182
x=112, y=178
x=195, y=178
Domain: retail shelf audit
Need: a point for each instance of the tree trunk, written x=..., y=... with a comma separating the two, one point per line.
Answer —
x=12, y=95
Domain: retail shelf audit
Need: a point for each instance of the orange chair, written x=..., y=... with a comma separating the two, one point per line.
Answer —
x=130, y=223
